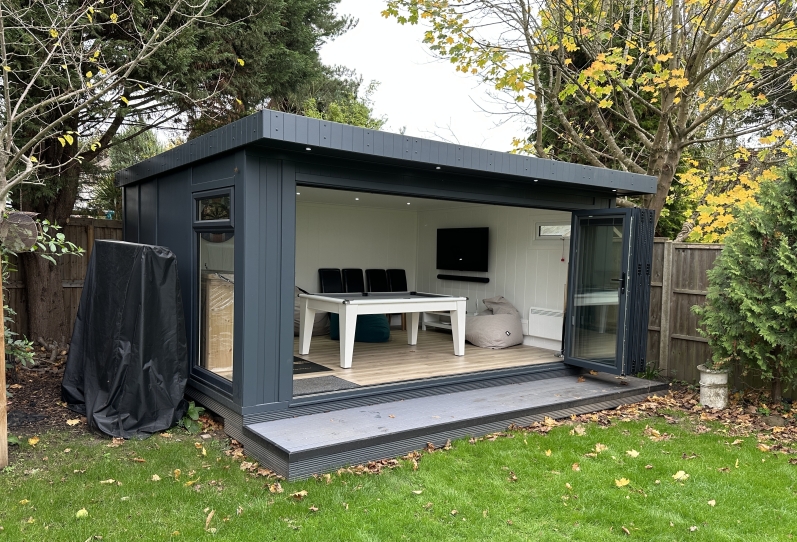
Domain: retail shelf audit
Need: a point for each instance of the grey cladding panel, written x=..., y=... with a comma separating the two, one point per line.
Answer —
x=335, y=135
x=289, y=127
x=276, y=125
x=220, y=168
x=131, y=218
x=148, y=208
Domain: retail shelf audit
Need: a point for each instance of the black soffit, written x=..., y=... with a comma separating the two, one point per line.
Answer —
x=294, y=133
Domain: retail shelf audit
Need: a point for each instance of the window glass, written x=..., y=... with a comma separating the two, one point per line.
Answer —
x=560, y=230
x=214, y=208
x=216, y=302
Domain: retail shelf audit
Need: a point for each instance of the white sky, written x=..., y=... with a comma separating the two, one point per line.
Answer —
x=417, y=91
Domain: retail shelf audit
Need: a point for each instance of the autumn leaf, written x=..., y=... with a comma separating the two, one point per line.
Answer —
x=177, y=473
x=632, y=453
x=548, y=453
x=33, y=441
x=207, y=519
x=417, y=491
x=73, y=422
x=299, y=495
x=313, y=508
x=276, y=487
x=241, y=61
x=82, y=513
x=156, y=478
x=576, y=467
x=680, y=476
x=622, y=482
x=600, y=447
x=108, y=481
x=114, y=17
x=24, y=501
x=763, y=447
x=712, y=503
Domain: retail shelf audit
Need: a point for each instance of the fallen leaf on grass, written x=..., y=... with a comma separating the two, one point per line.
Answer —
x=576, y=467
x=622, y=482
x=299, y=495
x=207, y=519
x=313, y=508
x=31, y=520
x=276, y=487
x=454, y=512
x=737, y=442
x=548, y=453
x=632, y=453
x=512, y=477
x=138, y=460
x=648, y=467
x=73, y=422
x=712, y=502
x=116, y=442
x=156, y=478
x=108, y=481
x=82, y=513
x=763, y=447
x=417, y=491
x=693, y=528
x=600, y=448
x=189, y=483
x=24, y=501
x=33, y=441
x=626, y=531
x=680, y=476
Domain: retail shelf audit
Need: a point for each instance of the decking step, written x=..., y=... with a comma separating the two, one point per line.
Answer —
x=306, y=445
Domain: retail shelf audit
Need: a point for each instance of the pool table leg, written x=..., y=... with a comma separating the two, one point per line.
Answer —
x=348, y=325
x=412, y=330
x=458, y=328
x=306, y=318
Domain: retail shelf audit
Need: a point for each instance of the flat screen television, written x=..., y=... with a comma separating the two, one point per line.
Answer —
x=462, y=249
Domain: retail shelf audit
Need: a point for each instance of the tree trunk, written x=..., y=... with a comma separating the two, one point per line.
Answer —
x=47, y=316
x=777, y=386
x=665, y=177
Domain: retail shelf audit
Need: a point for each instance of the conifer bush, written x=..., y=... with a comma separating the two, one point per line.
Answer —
x=750, y=314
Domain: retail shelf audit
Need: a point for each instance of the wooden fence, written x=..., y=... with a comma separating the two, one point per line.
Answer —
x=82, y=232
x=678, y=283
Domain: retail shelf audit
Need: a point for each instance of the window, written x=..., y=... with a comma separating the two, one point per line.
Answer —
x=552, y=231
x=216, y=302
x=214, y=210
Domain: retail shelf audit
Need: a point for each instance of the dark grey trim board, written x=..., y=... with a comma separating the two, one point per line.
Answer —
x=302, y=406
x=286, y=131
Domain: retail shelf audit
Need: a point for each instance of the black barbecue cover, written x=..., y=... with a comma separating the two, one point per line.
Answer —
x=128, y=360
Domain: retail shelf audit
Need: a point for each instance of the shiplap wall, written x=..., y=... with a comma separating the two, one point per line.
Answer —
x=341, y=236
x=528, y=272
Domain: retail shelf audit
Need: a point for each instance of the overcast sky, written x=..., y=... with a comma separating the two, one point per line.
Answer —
x=425, y=95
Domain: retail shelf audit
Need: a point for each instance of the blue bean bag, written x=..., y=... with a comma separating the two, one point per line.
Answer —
x=371, y=328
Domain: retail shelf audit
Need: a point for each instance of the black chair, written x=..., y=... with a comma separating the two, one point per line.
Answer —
x=397, y=280
x=330, y=281
x=353, y=281
x=376, y=280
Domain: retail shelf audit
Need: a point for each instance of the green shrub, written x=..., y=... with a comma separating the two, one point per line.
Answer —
x=750, y=313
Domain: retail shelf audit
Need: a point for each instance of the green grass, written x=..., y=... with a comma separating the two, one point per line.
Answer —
x=755, y=501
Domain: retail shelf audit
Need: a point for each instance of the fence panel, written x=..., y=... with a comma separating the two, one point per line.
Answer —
x=82, y=232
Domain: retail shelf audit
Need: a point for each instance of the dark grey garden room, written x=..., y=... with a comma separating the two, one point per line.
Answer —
x=328, y=270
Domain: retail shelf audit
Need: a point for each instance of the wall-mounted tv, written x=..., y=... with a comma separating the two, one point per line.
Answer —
x=462, y=249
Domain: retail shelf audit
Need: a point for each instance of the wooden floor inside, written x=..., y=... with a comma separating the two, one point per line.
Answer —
x=396, y=361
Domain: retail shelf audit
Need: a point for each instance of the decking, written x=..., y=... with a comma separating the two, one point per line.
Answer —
x=302, y=446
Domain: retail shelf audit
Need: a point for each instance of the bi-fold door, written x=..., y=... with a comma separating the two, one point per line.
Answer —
x=606, y=316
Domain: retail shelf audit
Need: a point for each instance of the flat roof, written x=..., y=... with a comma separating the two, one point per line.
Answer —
x=297, y=134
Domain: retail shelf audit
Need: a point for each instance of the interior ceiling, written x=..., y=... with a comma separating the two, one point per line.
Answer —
x=309, y=194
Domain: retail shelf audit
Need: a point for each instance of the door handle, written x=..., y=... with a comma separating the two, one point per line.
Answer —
x=621, y=280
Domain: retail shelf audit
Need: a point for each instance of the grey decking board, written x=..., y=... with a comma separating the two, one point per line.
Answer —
x=350, y=428
x=315, y=465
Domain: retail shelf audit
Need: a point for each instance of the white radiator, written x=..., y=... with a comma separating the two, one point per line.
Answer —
x=545, y=324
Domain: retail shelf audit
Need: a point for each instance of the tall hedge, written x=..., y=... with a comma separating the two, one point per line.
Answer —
x=750, y=313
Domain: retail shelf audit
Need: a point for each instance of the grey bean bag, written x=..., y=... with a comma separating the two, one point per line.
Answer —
x=320, y=323
x=494, y=330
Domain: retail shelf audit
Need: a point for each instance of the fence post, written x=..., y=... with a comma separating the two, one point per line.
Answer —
x=90, y=238
x=666, y=301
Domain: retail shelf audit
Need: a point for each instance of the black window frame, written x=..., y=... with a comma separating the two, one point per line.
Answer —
x=214, y=226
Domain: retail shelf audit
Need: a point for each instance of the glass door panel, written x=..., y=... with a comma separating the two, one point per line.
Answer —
x=596, y=293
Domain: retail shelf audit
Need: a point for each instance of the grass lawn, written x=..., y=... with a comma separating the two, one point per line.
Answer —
x=577, y=482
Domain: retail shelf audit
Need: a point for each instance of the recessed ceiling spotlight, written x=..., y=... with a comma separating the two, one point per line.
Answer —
x=356, y=199
x=536, y=180
x=438, y=167
x=307, y=148
x=297, y=193
x=614, y=190
x=408, y=203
